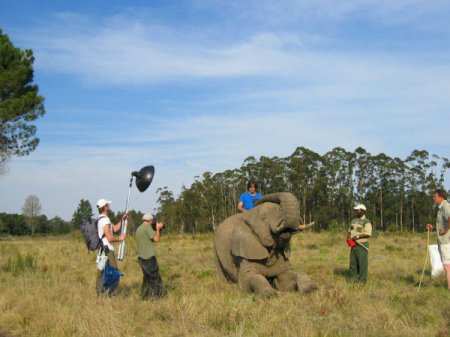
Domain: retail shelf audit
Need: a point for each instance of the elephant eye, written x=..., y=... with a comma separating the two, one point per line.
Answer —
x=281, y=224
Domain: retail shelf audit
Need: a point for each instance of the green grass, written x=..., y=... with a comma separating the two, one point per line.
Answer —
x=47, y=288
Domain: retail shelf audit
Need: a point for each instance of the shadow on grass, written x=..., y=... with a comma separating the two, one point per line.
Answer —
x=344, y=273
x=128, y=289
x=414, y=278
x=410, y=279
x=4, y=334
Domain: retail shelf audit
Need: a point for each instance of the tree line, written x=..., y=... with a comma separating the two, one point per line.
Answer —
x=397, y=191
x=32, y=222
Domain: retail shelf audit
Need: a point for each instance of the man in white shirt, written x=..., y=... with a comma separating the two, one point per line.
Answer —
x=443, y=229
x=106, y=232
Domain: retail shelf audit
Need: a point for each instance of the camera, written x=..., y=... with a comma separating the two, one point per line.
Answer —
x=154, y=222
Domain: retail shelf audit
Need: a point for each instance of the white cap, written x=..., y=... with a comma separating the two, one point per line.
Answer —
x=360, y=207
x=147, y=217
x=103, y=202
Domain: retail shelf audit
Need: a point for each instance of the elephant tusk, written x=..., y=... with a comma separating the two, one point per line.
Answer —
x=302, y=227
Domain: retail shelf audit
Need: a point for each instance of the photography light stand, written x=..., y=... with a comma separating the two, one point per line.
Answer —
x=143, y=179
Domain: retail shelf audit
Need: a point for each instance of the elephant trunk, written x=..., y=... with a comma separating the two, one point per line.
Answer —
x=290, y=209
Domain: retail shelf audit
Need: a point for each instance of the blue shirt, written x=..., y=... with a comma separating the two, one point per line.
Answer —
x=248, y=200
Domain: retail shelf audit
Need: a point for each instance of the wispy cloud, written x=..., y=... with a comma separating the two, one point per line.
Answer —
x=136, y=54
x=128, y=51
x=385, y=12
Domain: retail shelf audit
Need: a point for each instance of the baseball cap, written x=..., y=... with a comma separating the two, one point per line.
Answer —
x=360, y=207
x=103, y=202
x=147, y=217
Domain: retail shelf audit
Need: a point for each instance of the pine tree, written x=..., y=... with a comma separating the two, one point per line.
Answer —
x=83, y=213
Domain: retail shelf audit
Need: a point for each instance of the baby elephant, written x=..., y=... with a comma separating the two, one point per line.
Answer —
x=252, y=248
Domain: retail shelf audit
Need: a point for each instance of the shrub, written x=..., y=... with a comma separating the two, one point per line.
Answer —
x=20, y=264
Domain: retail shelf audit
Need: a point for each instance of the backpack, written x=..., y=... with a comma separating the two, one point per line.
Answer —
x=89, y=230
x=110, y=277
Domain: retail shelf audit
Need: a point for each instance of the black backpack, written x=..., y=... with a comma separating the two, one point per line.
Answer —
x=89, y=229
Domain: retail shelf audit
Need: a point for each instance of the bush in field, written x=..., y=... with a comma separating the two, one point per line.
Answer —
x=59, y=226
x=20, y=264
x=13, y=224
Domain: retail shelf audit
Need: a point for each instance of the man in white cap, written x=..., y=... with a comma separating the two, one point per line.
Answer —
x=106, y=232
x=443, y=229
x=146, y=234
x=358, y=234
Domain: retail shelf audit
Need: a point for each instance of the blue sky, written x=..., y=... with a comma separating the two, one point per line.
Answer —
x=191, y=86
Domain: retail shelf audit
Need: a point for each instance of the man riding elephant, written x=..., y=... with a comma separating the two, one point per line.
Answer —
x=252, y=248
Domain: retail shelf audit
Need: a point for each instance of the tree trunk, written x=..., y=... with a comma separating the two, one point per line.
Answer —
x=381, y=210
x=213, y=219
x=182, y=227
x=401, y=214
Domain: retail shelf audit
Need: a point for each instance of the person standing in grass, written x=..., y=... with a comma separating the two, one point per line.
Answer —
x=146, y=235
x=106, y=232
x=248, y=199
x=358, y=234
x=442, y=229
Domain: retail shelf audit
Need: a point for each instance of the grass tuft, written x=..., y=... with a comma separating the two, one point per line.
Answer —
x=19, y=264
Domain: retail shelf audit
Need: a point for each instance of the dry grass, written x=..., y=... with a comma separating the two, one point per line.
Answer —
x=53, y=293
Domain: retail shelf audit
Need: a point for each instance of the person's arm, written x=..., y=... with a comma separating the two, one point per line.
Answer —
x=446, y=216
x=157, y=236
x=109, y=235
x=361, y=236
x=349, y=232
x=118, y=226
x=241, y=203
x=366, y=233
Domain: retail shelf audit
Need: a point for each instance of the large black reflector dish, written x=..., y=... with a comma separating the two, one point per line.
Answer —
x=144, y=177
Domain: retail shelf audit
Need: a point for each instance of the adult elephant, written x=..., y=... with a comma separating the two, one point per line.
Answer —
x=252, y=248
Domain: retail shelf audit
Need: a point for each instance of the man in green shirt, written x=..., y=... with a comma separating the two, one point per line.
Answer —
x=146, y=235
x=359, y=232
x=442, y=229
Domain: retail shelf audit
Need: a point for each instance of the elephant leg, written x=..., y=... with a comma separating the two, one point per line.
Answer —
x=257, y=283
x=287, y=281
x=305, y=284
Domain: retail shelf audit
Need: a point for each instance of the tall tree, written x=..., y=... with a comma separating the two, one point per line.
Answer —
x=82, y=213
x=31, y=210
x=20, y=103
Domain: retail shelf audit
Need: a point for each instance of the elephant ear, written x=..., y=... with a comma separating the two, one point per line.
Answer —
x=245, y=244
x=259, y=220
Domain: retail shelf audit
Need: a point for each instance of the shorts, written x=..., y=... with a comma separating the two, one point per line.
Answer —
x=444, y=249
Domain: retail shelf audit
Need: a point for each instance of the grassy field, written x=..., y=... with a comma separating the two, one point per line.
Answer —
x=50, y=291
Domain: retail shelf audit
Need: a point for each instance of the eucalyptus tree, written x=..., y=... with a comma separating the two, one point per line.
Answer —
x=339, y=170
